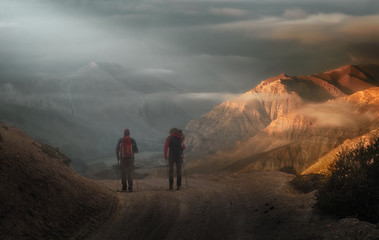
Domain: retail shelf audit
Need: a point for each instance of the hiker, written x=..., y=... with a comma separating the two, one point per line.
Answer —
x=173, y=152
x=125, y=150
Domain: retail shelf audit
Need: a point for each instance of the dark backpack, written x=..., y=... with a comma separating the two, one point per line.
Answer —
x=175, y=147
x=126, y=150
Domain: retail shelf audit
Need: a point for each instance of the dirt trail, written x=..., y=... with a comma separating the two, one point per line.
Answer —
x=259, y=205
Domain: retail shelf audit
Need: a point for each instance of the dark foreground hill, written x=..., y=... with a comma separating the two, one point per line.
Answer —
x=41, y=197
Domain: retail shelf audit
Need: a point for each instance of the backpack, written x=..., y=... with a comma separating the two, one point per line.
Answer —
x=175, y=147
x=126, y=150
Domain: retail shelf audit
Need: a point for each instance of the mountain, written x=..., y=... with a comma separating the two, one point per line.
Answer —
x=41, y=197
x=85, y=112
x=288, y=120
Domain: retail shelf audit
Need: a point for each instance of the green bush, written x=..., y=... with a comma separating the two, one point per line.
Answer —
x=353, y=187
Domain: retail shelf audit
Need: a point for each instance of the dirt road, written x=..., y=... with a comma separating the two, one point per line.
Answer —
x=259, y=205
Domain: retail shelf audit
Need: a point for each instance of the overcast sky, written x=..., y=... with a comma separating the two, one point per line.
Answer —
x=239, y=42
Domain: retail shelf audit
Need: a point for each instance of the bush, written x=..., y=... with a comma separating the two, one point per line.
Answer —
x=289, y=170
x=308, y=183
x=54, y=153
x=353, y=187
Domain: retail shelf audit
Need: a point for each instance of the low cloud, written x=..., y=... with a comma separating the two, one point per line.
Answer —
x=232, y=12
x=332, y=114
x=214, y=97
x=158, y=71
x=294, y=13
x=308, y=29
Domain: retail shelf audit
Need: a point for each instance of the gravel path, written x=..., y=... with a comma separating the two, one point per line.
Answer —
x=259, y=205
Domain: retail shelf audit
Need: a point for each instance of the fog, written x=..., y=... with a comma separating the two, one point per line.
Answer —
x=335, y=114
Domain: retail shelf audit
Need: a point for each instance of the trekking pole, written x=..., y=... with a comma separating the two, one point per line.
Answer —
x=136, y=184
x=118, y=161
x=184, y=171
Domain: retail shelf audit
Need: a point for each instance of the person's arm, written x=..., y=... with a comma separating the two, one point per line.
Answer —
x=118, y=149
x=134, y=146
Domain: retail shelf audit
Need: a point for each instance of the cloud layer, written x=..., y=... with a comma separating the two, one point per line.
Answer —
x=220, y=45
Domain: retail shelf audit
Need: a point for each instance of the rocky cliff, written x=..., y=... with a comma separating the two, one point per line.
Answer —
x=289, y=120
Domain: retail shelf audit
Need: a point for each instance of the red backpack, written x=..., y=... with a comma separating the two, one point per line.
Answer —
x=126, y=150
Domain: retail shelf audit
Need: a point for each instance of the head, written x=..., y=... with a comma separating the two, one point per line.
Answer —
x=181, y=134
x=173, y=131
x=126, y=132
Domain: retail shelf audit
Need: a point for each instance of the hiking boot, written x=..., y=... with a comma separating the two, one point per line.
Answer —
x=123, y=190
x=178, y=188
x=130, y=189
x=170, y=188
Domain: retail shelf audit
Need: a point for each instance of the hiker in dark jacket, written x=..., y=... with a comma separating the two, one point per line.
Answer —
x=126, y=162
x=173, y=152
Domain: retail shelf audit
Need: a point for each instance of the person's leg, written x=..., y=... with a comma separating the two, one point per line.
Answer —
x=179, y=172
x=171, y=172
x=123, y=173
x=130, y=170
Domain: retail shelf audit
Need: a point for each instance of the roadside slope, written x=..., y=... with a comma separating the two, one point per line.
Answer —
x=41, y=197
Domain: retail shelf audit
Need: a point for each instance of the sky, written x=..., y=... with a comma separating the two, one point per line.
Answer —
x=225, y=45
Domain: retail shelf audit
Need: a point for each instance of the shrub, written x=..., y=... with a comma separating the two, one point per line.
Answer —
x=54, y=153
x=289, y=170
x=353, y=187
x=308, y=183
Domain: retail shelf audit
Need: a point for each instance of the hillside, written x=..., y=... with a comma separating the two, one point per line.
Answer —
x=368, y=106
x=41, y=197
x=288, y=120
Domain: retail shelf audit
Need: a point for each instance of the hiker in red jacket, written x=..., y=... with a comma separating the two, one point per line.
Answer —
x=173, y=152
x=125, y=150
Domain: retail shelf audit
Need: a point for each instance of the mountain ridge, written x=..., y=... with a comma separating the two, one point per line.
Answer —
x=299, y=112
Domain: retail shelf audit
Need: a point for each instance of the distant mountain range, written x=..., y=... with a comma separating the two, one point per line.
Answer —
x=85, y=112
x=289, y=121
x=298, y=121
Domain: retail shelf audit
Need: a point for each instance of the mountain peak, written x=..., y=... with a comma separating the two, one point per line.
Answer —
x=352, y=70
x=100, y=68
x=352, y=78
x=92, y=64
x=275, y=78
